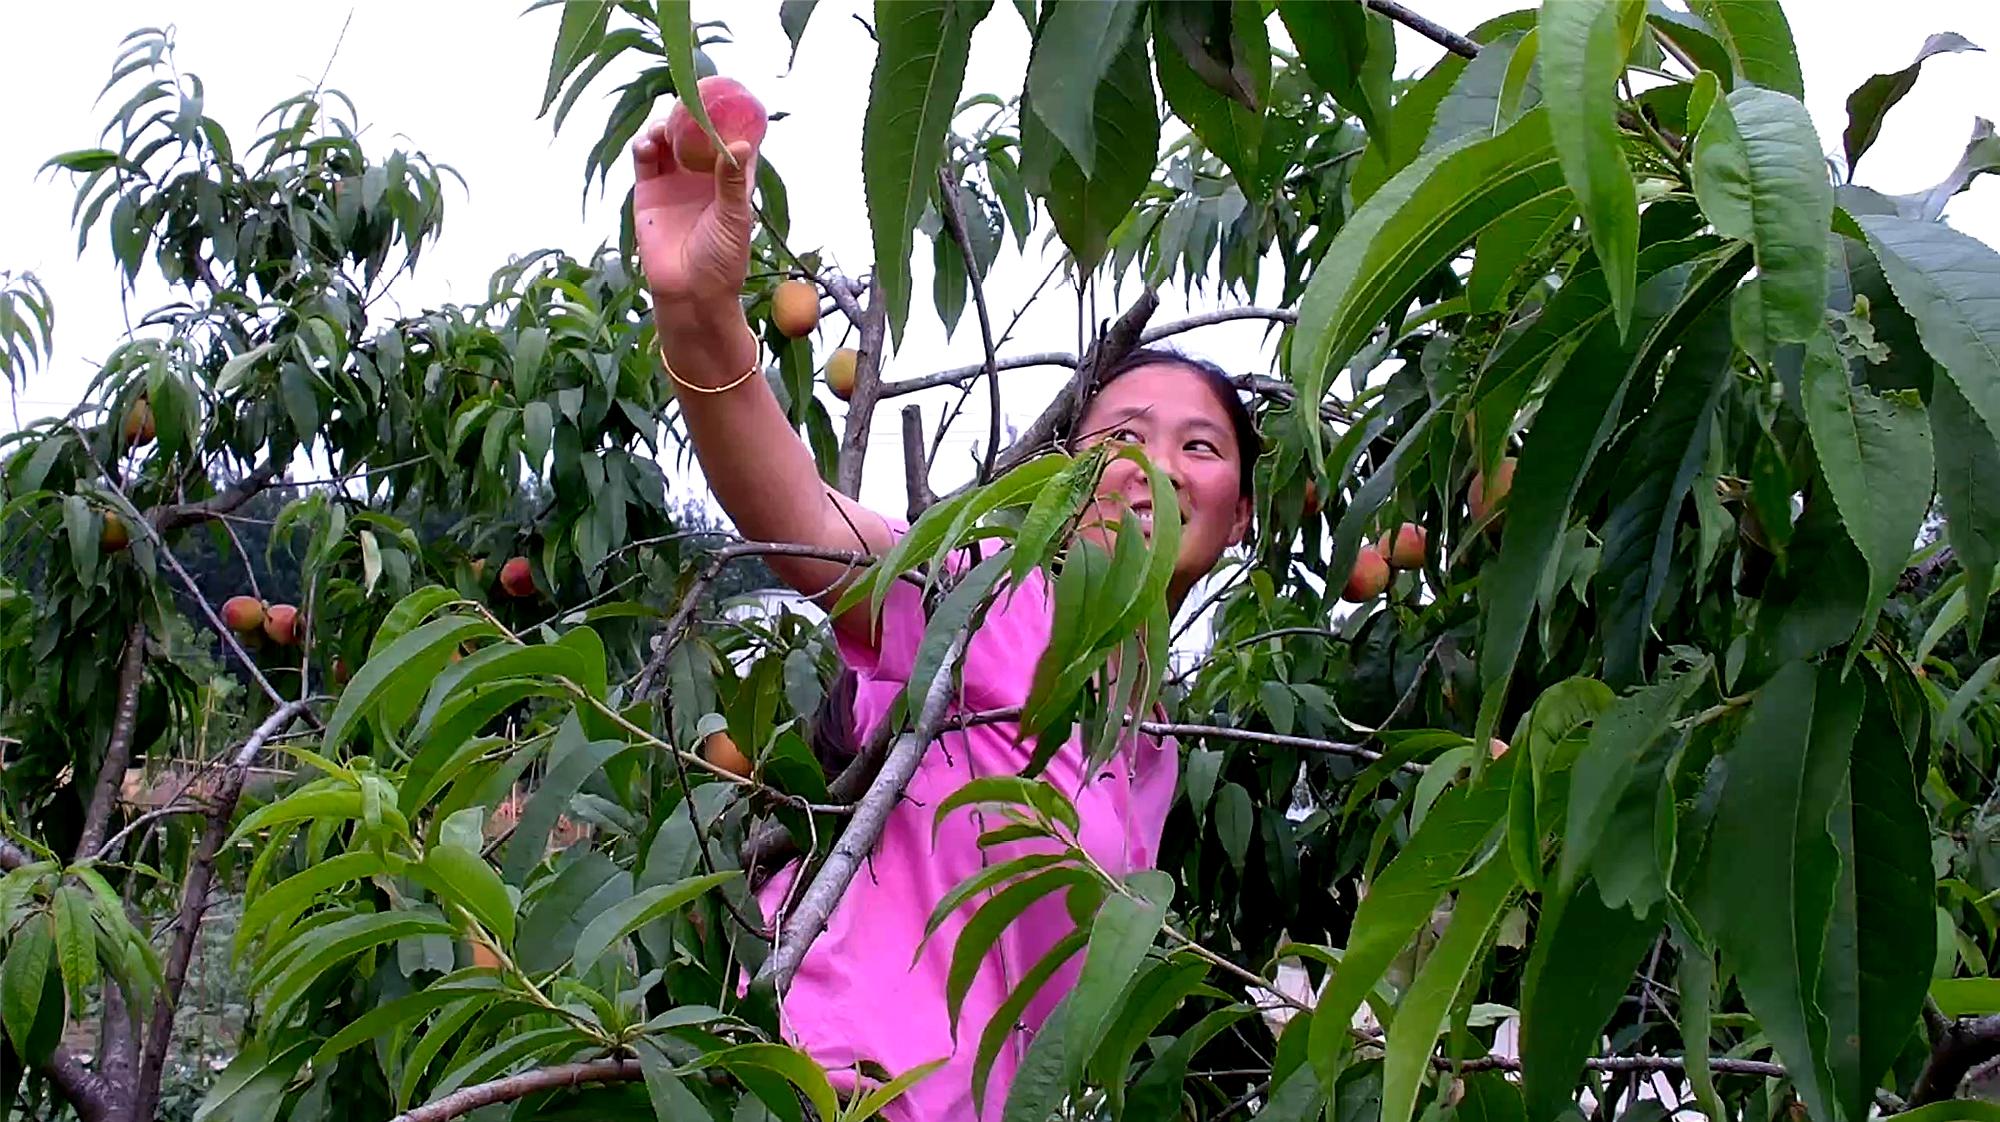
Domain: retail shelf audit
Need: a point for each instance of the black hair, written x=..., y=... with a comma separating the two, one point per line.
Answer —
x=1219, y=382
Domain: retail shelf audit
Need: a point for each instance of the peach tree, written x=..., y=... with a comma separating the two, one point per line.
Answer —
x=1648, y=774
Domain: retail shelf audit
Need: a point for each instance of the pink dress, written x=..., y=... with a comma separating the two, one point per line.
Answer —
x=857, y=995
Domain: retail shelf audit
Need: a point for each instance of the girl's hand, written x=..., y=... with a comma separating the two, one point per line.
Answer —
x=693, y=227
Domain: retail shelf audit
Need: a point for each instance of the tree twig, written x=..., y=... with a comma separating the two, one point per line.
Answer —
x=916, y=480
x=954, y=220
x=867, y=388
x=871, y=816
x=1180, y=730
x=1964, y=1045
x=1437, y=33
x=194, y=905
x=110, y=847
x=118, y=748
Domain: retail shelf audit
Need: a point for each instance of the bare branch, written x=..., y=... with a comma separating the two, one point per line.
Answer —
x=118, y=749
x=959, y=375
x=1173, y=327
x=172, y=517
x=871, y=816
x=1964, y=1045
x=1180, y=731
x=1113, y=345
x=954, y=221
x=465, y=1100
x=867, y=387
x=110, y=847
x=916, y=480
x=649, y=676
x=194, y=904
x=1443, y=36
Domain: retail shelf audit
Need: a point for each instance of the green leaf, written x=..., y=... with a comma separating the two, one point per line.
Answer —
x=1350, y=52
x=583, y=23
x=1696, y=976
x=921, y=50
x=1610, y=763
x=1473, y=105
x=410, y=611
x=1584, y=957
x=1946, y=280
x=976, y=939
x=1583, y=46
x=76, y=942
x=334, y=800
x=795, y=1066
x=1668, y=452
x=1968, y=459
x=677, y=37
x=1425, y=1011
x=1758, y=37
x=1234, y=819
x=1461, y=823
x=792, y=16
x=1769, y=886
x=405, y=1011
x=24, y=978
x=1087, y=205
x=979, y=882
x=1404, y=232
x=441, y=1032
x=1507, y=244
x=416, y=657
x=1155, y=994
x=1957, y=1110
x=1887, y=852
x=878, y=1099
x=638, y=910
x=1872, y=99
x=1966, y=997
x=1001, y=1026
x=1230, y=129
x=1074, y=48
x=1123, y=930
x=81, y=525
x=1576, y=416
x=1874, y=452
x=952, y=615
x=463, y=877
x=253, y=1087
x=320, y=949
x=1759, y=177
x=572, y=760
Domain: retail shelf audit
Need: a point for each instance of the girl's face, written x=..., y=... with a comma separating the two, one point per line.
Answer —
x=1171, y=414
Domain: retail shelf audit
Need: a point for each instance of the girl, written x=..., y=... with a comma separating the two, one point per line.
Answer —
x=863, y=993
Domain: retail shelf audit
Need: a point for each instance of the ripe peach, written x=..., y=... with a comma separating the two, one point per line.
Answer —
x=1485, y=495
x=1496, y=747
x=1311, y=506
x=1369, y=577
x=341, y=672
x=732, y=109
x=113, y=536
x=281, y=623
x=840, y=372
x=517, y=579
x=1403, y=546
x=795, y=308
x=139, y=428
x=722, y=751
x=243, y=613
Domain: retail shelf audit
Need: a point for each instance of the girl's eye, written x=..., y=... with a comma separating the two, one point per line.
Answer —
x=1207, y=446
x=1126, y=436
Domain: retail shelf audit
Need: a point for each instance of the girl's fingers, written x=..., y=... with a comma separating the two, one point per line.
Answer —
x=652, y=155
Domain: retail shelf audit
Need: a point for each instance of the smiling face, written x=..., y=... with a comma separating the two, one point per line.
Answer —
x=1171, y=414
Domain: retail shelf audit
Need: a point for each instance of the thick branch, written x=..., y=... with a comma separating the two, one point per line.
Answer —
x=514, y=1087
x=867, y=387
x=194, y=905
x=916, y=481
x=954, y=220
x=871, y=816
x=1056, y=420
x=1443, y=36
x=1964, y=1045
x=118, y=749
x=226, y=501
x=1172, y=327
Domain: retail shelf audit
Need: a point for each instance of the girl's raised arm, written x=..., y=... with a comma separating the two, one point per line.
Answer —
x=693, y=225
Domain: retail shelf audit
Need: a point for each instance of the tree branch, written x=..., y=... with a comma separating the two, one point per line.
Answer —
x=465, y=1100
x=174, y=516
x=1964, y=1045
x=958, y=375
x=1114, y=344
x=118, y=749
x=194, y=905
x=916, y=480
x=1443, y=36
x=871, y=816
x=867, y=388
x=954, y=220
x=1180, y=730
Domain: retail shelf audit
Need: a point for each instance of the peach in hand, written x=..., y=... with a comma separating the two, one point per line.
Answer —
x=732, y=109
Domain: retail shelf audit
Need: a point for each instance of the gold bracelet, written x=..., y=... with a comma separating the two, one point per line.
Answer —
x=755, y=368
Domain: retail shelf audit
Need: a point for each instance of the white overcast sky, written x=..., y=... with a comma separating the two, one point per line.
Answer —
x=461, y=81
